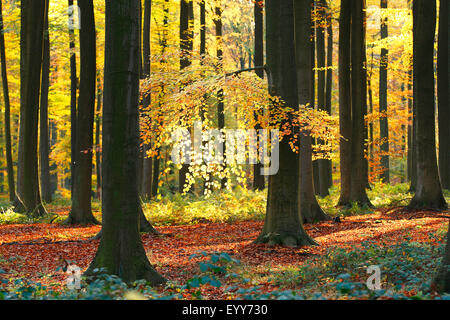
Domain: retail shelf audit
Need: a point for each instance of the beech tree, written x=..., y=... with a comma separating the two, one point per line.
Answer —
x=428, y=191
x=283, y=223
x=31, y=50
x=81, y=212
x=121, y=251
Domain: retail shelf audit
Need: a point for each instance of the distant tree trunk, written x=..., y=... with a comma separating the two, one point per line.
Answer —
x=53, y=140
x=443, y=86
x=258, y=178
x=384, y=124
x=323, y=164
x=73, y=100
x=220, y=96
x=120, y=250
x=44, y=143
x=283, y=223
x=156, y=162
x=147, y=161
x=312, y=101
x=345, y=101
x=186, y=48
x=98, y=152
x=9, y=162
x=329, y=85
x=81, y=212
x=310, y=209
x=428, y=188
x=31, y=50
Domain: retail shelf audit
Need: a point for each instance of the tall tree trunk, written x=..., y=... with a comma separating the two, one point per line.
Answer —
x=329, y=84
x=44, y=143
x=384, y=124
x=31, y=50
x=220, y=96
x=258, y=178
x=283, y=223
x=120, y=250
x=443, y=86
x=323, y=164
x=9, y=162
x=98, y=153
x=186, y=48
x=73, y=98
x=147, y=161
x=345, y=100
x=428, y=188
x=359, y=105
x=310, y=209
x=81, y=212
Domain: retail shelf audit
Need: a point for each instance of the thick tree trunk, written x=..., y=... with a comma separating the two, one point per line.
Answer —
x=31, y=49
x=428, y=188
x=81, y=212
x=359, y=105
x=44, y=143
x=120, y=250
x=9, y=162
x=283, y=223
x=384, y=124
x=443, y=86
x=310, y=210
x=345, y=101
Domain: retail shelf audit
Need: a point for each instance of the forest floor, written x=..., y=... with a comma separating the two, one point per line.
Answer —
x=35, y=251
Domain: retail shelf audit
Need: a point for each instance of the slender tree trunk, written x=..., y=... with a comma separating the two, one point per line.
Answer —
x=186, y=48
x=31, y=50
x=428, y=188
x=9, y=162
x=73, y=100
x=81, y=212
x=329, y=84
x=283, y=222
x=310, y=209
x=323, y=164
x=384, y=124
x=345, y=101
x=258, y=178
x=443, y=86
x=44, y=143
x=120, y=250
x=148, y=165
x=220, y=96
x=98, y=152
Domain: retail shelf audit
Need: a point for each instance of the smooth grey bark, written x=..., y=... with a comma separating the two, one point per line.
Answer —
x=44, y=143
x=383, y=103
x=283, y=223
x=443, y=87
x=81, y=212
x=310, y=209
x=121, y=251
x=345, y=101
x=73, y=101
x=428, y=192
x=31, y=50
x=258, y=178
